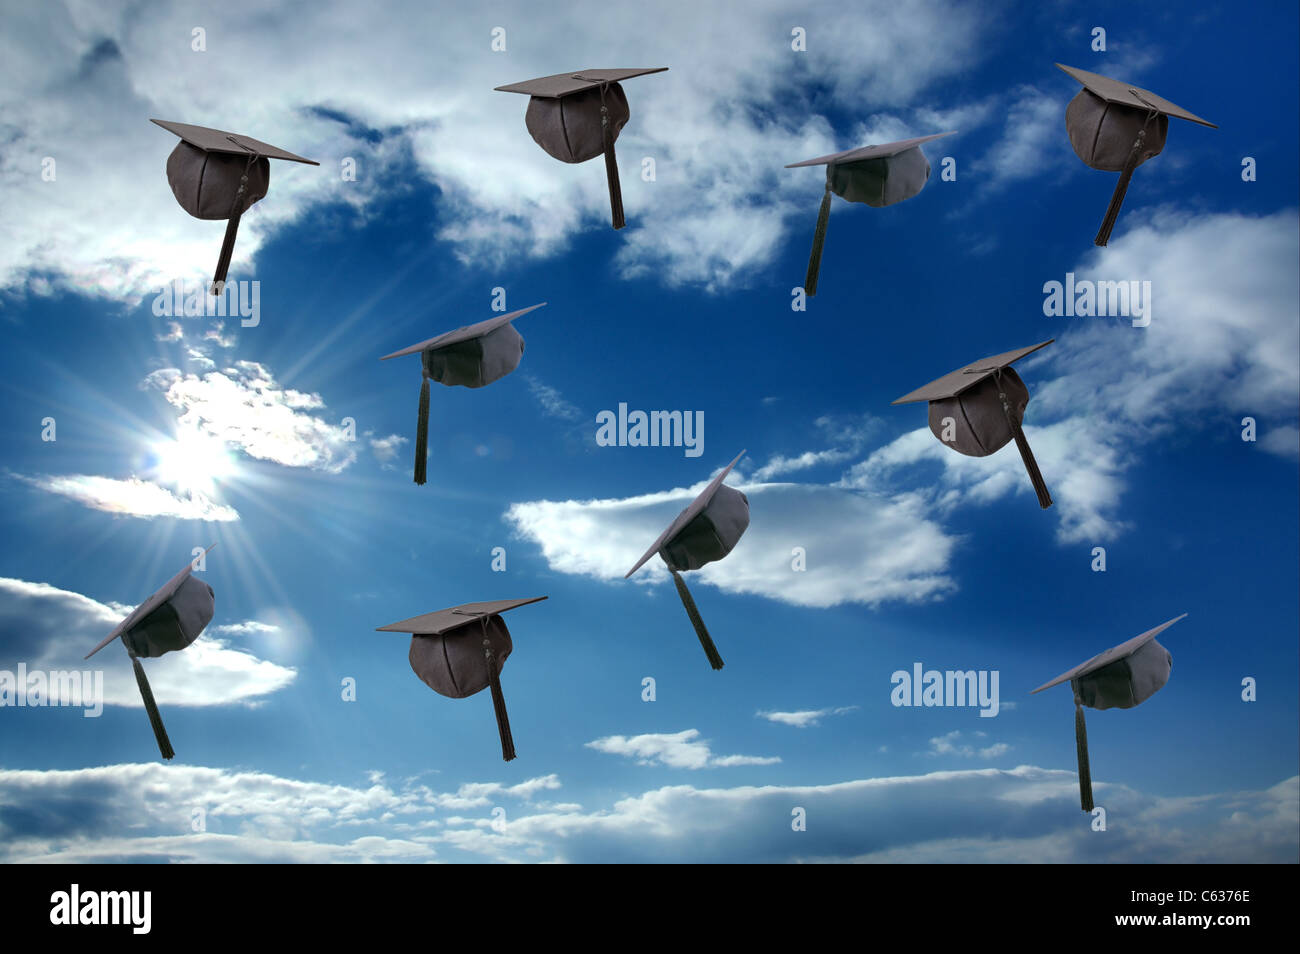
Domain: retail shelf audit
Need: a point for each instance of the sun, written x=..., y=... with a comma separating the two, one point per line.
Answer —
x=193, y=461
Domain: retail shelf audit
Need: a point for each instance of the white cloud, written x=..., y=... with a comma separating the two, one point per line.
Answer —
x=246, y=628
x=603, y=538
x=1033, y=139
x=1283, y=441
x=951, y=744
x=132, y=497
x=684, y=750
x=246, y=408
x=551, y=401
x=387, y=448
x=50, y=628
x=804, y=718
x=780, y=465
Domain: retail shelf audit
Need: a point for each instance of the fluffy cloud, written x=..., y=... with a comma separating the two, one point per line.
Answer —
x=603, y=538
x=804, y=718
x=52, y=629
x=249, y=627
x=1024, y=814
x=387, y=448
x=683, y=749
x=951, y=744
x=551, y=401
x=132, y=497
x=244, y=407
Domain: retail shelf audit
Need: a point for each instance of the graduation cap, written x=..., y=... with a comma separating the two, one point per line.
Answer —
x=472, y=356
x=977, y=409
x=1119, y=678
x=577, y=116
x=1116, y=127
x=707, y=530
x=218, y=175
x=169, y=620
x=461, y=650
x=877, y=175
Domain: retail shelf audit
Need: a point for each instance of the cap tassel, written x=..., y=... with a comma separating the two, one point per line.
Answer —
x=1031, y=465
x=151, y=707
x=499, y=704
x=611, y=169
x=819, y=239
x=1121, y=187
x=1081, y=745
x=705, y=639
x=422, y=434
x=227, y=250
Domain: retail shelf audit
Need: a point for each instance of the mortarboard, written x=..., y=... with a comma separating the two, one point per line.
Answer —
x=707, y=530
x=1116, y=127
x=168, y=621
x=473, y=356
x=1119, y=678
x=977, y=409
x=218, y=175
x=577, y=116
x=456, y=659
x=877, y=175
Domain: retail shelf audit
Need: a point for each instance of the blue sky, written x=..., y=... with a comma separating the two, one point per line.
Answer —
x=914, y=554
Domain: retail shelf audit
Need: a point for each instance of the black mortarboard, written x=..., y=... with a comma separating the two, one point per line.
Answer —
x=1116, y=127
x=577, y=116
x=457, y=659
x=707, y=530
x=218, y=175
x=983, y=404
x=1119, y=678
x=877, y=175
x=168, y=621
x=472, y=356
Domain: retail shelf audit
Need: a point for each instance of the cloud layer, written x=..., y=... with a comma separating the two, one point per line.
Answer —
x=1024, y=814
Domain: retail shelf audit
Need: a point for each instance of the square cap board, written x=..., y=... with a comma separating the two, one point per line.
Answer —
x=164, y=593
x=565, y=84
x=882, y=151
x=955, y=382
x=1126, y=94
x=686, y=516
x=446, y=620
x=463, y=334
x=218, y=140
x=1109, y=656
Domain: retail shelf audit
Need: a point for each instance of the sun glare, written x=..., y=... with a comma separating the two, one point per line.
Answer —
x=193, y=461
